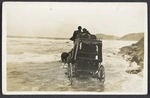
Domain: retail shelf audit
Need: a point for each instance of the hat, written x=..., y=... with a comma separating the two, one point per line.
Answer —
x=79, y=27
x=84, y=29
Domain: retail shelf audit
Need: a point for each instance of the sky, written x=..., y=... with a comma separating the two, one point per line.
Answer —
x=60, y=19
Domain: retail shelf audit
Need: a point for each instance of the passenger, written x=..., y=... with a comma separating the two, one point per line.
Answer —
x=86, y=33
x=93, y=37
x=76, y=33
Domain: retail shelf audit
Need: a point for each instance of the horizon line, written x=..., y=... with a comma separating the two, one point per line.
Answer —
x=65, y=38
x=35, y=37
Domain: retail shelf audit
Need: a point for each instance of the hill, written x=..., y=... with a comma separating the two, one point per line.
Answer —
x=132, y=36
x=106, y=37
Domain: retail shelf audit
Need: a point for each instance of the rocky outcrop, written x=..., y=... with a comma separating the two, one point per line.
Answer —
x=134, y=54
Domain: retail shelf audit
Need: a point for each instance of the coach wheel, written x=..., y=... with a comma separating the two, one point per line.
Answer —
x=70, y=73
x=101, y=74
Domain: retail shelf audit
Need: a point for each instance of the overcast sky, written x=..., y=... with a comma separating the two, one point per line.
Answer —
x=61, y=19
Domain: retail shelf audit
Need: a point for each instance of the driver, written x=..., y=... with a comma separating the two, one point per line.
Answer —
x=76, y=33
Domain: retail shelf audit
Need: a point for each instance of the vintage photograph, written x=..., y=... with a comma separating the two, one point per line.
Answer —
x=74, y=48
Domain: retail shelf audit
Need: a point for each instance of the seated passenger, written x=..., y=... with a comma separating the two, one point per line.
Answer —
x=86, y=33
x=93, y=36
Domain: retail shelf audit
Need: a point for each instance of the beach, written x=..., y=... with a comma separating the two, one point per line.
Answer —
x=33, y=64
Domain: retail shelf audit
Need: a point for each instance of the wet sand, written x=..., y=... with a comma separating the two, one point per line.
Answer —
x=48, y=76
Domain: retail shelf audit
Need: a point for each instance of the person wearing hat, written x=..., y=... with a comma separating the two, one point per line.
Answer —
x=76, y=33
x=86, y=33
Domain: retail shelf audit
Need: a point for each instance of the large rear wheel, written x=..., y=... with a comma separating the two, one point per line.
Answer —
x=70, y=72
x=101, y=74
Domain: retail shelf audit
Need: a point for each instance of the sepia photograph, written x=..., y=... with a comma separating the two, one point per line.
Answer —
x=74, y=48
